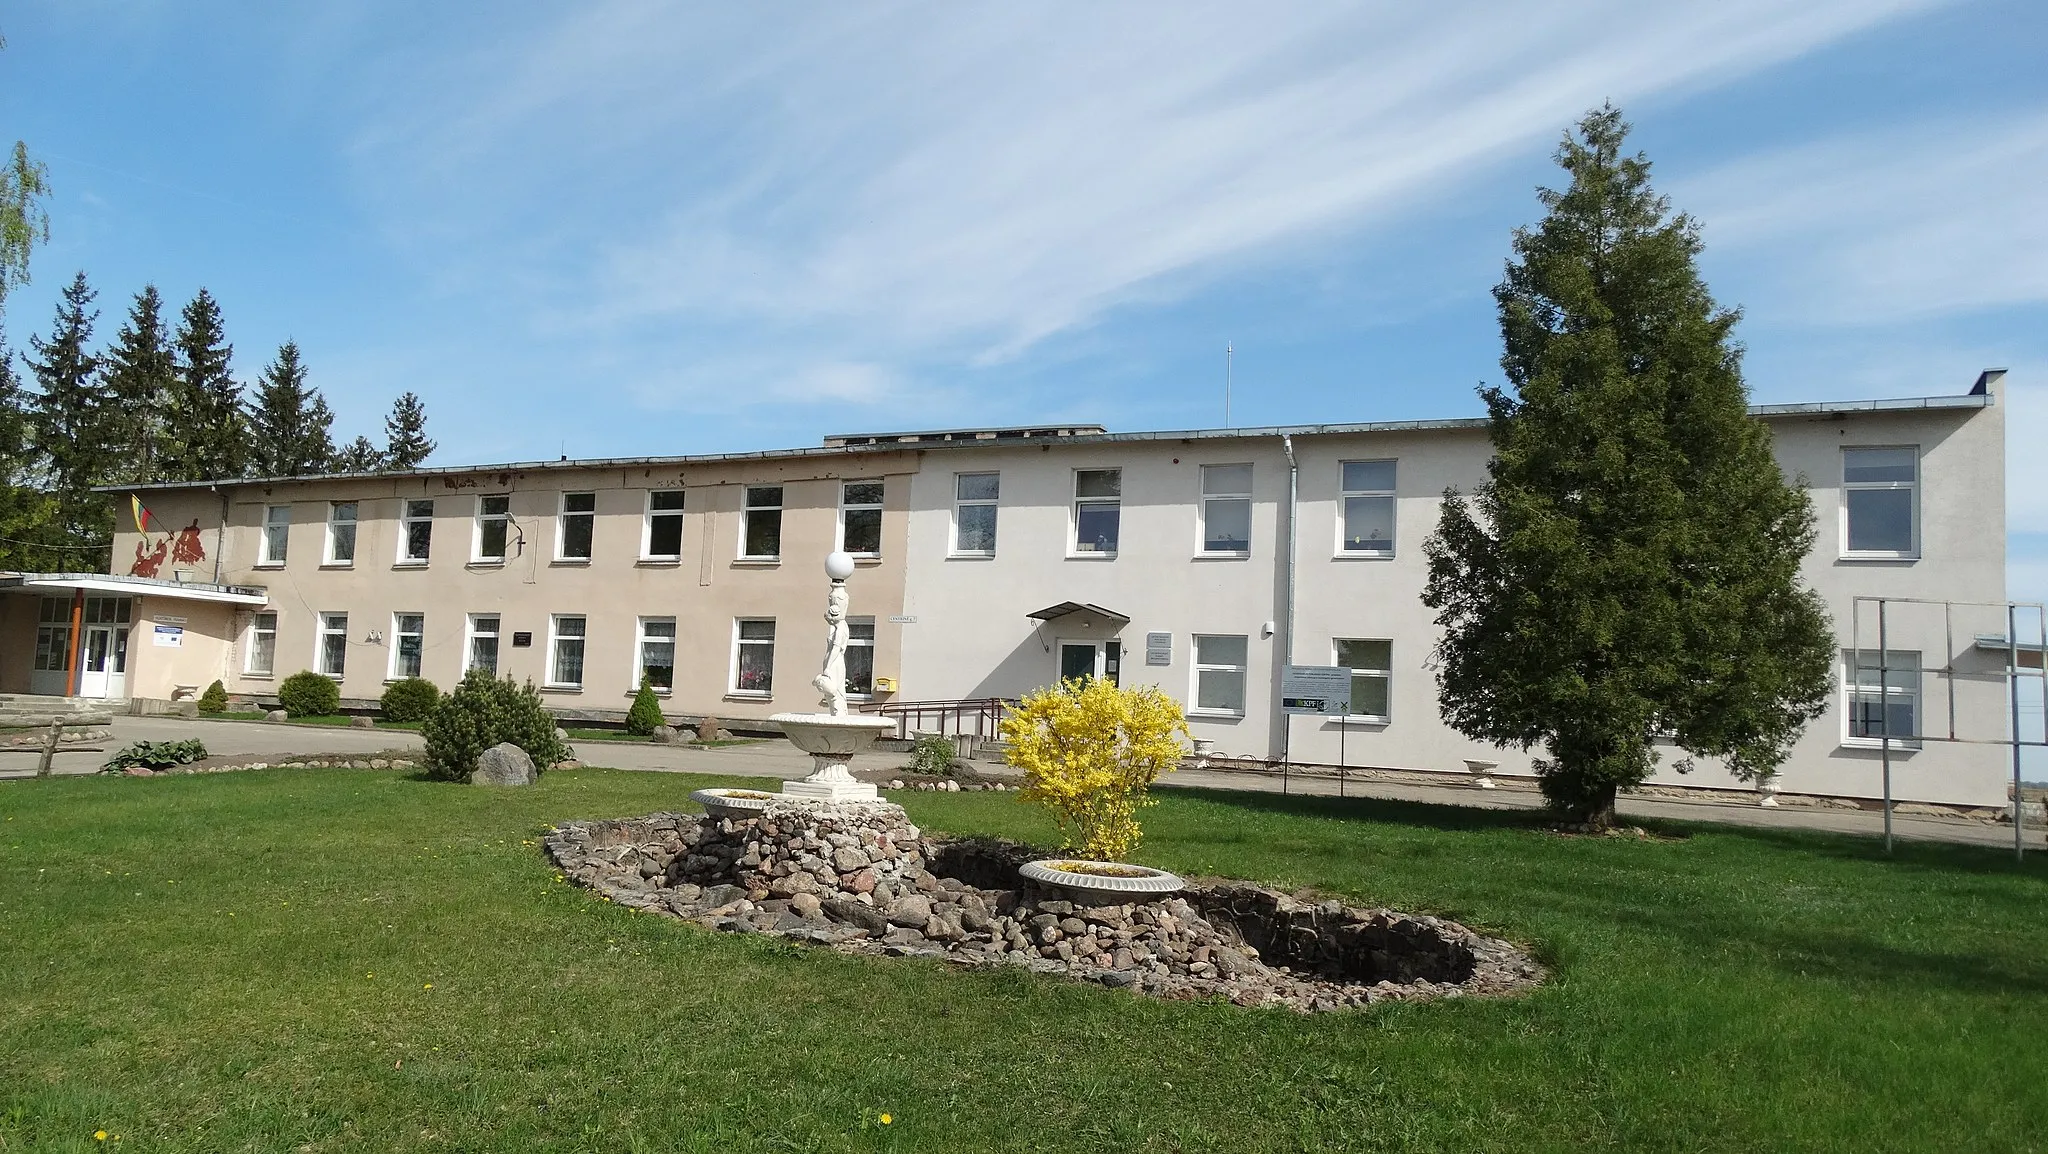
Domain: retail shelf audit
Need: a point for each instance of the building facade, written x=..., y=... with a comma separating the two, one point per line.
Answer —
x=993, y=562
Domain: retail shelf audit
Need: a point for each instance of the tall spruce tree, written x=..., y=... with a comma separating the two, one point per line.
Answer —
x=32, y=536
x=1629, y=572
x=206, y=436
x=359, y=456
x=141, y=373
x=405, y=433
x=290, y=425
x=69, y=412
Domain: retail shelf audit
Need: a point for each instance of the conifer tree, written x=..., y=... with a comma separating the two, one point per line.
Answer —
x=289, y=423
x=140, y=375
x=31, y=536
x=359, y=456
x=207, y=435
x=1629, y=572
x=69, y=411
x=405, y=433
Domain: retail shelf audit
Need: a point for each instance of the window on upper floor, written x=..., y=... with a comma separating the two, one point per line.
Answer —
x=1883, y=694
x=341, y=533
x=565, y=650
x=761, y=523
x=657, y=649
x=860, y=518
x=1367, y=528
x=416, y=532
x=408, y=643
x=575, y=526
x=975, y=496
x=1880, y=506
x=1371, y=662
x=493, y=527
x=1220, y=673
x=1227, y=509
x=1098, y=508
x=661, y=533
x=277, y=532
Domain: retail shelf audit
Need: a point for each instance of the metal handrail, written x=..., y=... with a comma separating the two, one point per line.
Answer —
x=951, y=718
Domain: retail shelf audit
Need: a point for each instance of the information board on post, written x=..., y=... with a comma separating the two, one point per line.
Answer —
x=1315, y=689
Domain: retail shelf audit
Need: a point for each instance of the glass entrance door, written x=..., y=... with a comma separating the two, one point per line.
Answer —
x=104, y=669
x=1077, y=660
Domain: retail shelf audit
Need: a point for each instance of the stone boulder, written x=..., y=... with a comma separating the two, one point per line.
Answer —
x=707, y=730
x=665, y=735
x=362, y=723
x=504, y=764
x=277, y=715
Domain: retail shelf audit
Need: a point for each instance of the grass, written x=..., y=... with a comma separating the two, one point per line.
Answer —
x=337, y=719
x=622, y=735
x=346, y=960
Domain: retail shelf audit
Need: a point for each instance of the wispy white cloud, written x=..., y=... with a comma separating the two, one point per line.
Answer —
x=869, y=188
x=1922, y=220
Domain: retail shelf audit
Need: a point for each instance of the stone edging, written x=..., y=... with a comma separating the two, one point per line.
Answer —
x=279, y=761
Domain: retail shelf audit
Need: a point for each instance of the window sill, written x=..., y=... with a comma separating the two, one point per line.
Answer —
x=1360, y=555
x=658, y=692
x=749, y=695
x=268, y=565
x=1874, y=745
x=259, y=676
x=1879, y=558
x=337, y=564
x=1361, y=719
x=866, y=560
x=1215, y=715
x=1207, y=555
x=485, y=563
x=970, y=556
x=1101, y=555
x=550, y=687
x=659, y=562
x=419, y=564
x=756, y=562
x=574, y=561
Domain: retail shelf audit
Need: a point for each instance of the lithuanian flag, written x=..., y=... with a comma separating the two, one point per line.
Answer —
x=142, y=515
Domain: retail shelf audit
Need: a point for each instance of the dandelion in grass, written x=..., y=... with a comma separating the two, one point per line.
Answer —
x=99, y=1135
x=886, y=1119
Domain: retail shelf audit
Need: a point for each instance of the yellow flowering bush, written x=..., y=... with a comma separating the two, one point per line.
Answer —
x=1089, y=750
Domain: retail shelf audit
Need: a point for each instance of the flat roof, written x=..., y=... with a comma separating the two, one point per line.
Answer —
x=969, y=439
x=136, y=586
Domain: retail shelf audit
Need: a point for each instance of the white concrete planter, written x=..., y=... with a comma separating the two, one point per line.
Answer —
x=728, y=802
x=1101, y=881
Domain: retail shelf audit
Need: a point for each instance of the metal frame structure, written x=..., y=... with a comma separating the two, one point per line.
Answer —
x=2011, y=674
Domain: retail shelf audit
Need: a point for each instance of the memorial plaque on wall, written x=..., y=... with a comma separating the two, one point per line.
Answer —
x=1159, y=649
x=522, y=641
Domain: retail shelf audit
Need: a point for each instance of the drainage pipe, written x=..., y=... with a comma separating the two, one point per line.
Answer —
x=1287, y=616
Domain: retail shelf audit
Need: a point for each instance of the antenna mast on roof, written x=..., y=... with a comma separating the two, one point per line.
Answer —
x=1229, y=354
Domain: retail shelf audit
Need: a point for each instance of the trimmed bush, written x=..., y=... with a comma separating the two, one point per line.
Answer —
x=215, y=699
x=409, y=700
x=483, y=711
x=646, y=712
x=932, y=755
x=309, y=694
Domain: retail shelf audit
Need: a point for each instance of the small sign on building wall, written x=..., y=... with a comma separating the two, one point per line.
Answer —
x=1159, y=649
x=168, y=632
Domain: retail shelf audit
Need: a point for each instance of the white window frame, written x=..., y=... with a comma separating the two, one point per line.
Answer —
x=257, y=630
x=992, y=504
x=476, y=544
x=562, y=516
x=398, y=636
x=1387, y=674
x=733, y=672
x=354, y=523
x=648, y=513
x=640, y=640
x=324, y=627
x=1905, y=666
x=1195, y=708
x=407, y=518
x=875, y=507
x=275, y=517
x=854, y=642
x=470, y=633
x=555, y=639
x=747, y=511
x=1344, y=495
x=1074, y=546
x=1911, y=488
x=1205, y=496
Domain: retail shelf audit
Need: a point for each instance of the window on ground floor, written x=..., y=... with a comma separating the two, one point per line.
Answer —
x=1220, y=673
x=753, y=658
x=1371, y=662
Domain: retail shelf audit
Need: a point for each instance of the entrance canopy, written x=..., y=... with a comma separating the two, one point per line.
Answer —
x=109, y=585
x=1070, y=608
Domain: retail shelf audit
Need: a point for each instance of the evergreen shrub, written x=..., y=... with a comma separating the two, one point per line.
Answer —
x=309, y=694
x=483, y=711
x=215, y=699
x=409, y=700
x=646, y=712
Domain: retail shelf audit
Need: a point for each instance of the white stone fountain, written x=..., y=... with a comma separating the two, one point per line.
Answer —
x=833, y=736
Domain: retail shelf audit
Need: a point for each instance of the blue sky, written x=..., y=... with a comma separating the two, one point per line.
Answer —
x=623, y=228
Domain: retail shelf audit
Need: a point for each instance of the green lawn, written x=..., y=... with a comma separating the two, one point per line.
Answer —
x=334, y=960
x=322, y=719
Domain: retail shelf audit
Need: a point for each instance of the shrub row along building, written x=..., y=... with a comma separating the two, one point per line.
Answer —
x=991, y=562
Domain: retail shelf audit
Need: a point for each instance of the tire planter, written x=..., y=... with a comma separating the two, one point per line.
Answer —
x=730, y=802
x=1116, y=882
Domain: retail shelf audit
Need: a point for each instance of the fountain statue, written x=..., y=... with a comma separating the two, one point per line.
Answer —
x=833, y=736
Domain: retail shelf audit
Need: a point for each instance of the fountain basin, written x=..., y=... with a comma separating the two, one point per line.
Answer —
x=831, y=739
x=1101, y=882
x=731, y=802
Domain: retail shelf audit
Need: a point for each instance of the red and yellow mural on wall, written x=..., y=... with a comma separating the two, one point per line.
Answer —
x=179, y=547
